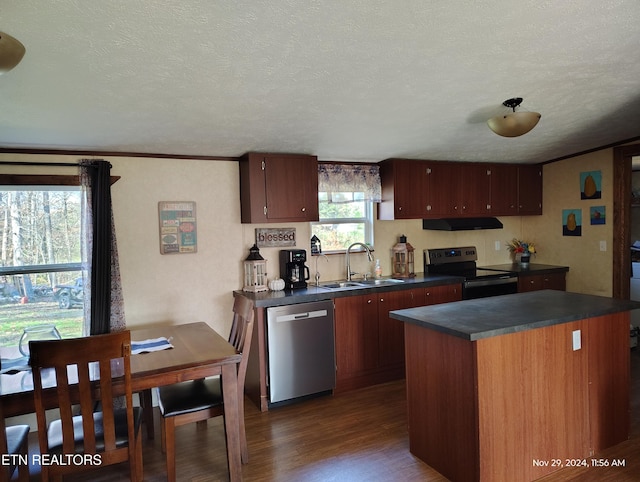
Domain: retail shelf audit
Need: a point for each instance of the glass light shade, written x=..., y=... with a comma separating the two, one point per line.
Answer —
x=11, y=52
x=514, y=124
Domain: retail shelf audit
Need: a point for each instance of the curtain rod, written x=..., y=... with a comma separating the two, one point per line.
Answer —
x=50, y=164
x=27, y=163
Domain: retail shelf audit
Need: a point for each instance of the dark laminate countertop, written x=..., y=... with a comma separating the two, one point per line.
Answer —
x=267, y=299
x=500, y=315
x=533, y=268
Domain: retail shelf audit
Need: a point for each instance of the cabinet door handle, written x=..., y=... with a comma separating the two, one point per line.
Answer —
x=369, y=302
x=381, y=300
x=303, y=209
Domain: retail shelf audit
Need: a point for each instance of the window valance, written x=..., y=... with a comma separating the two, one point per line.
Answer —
x=350, y=178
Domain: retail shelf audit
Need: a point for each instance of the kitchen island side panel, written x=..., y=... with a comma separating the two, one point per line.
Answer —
x=441, y=402
x=609, y=375
x=517, y=406
x=532, y=401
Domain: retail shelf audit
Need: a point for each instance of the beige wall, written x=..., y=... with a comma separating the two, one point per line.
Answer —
x=171, y=288
x=178, y=288
x=386, y=234
x=590, y=268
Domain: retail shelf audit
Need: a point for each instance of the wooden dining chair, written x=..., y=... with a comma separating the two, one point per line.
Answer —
x=14, y=442
x=86, y=372
x=200, y=400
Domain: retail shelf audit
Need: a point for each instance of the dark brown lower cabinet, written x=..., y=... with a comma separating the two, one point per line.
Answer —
x=370, y=344
x=534, y=282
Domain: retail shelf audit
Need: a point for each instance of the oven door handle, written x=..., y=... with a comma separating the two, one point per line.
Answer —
x=503, y=280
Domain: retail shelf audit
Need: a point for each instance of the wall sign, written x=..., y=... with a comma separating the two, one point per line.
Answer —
x=177, y=227
x=273, y=237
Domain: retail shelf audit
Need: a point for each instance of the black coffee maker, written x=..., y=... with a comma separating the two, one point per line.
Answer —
x=293, y=270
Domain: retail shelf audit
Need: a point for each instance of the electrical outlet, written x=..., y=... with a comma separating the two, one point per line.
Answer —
x=577, y=342
x=603, y=245
x=497, y=245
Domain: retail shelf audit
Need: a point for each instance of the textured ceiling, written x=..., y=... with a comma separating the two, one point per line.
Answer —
x=342, y=79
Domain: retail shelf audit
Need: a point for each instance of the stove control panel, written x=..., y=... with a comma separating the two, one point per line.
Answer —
x=450, y=255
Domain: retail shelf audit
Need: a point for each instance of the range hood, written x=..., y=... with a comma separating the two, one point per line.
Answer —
x=461, y=224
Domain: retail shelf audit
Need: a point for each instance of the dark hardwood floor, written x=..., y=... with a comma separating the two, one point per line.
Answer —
x=356, y=436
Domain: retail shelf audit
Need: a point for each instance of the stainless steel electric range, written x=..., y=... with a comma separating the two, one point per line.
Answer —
x=478, y=282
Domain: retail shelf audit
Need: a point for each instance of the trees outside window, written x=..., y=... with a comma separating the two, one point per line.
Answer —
x=344, y=221
x=40, y=260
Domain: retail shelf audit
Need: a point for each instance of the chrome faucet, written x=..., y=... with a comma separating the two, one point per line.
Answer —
x=369, y=256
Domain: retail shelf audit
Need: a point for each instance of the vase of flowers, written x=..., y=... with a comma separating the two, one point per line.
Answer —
x=522, y=251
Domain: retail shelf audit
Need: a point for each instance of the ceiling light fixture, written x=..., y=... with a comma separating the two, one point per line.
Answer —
x=11, y=52
x=515, y=123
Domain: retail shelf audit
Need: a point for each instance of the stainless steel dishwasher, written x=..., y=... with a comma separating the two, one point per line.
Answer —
x=301, y=350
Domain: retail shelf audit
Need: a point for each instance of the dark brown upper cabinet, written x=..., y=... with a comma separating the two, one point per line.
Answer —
x=416, y=189
x=277, y=188
x=529, y=189
x=504, y=190
x=404, y=189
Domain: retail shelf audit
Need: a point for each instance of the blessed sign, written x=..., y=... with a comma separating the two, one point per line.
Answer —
x=275, y=237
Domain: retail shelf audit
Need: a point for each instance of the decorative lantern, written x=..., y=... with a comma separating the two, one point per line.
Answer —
x=402, y=259
x=255, y=271
x=316, y=245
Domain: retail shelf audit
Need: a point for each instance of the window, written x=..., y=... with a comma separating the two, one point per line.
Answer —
x=40, y=258
x=346, y=193
x=346, y=220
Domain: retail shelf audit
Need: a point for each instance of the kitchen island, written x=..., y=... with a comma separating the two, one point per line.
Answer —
x=515, y=387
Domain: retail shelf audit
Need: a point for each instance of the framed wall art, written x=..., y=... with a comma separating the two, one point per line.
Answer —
x=178, y=232
x=572, y=222
x=598, y=214
x=591, y=185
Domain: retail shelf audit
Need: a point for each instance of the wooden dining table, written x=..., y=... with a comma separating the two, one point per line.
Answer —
x=198, y=352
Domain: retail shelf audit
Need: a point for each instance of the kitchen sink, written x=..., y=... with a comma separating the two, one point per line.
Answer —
x=333, y=285
x=380, y=282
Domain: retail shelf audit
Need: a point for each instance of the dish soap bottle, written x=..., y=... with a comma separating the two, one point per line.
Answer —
x=378, y=269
